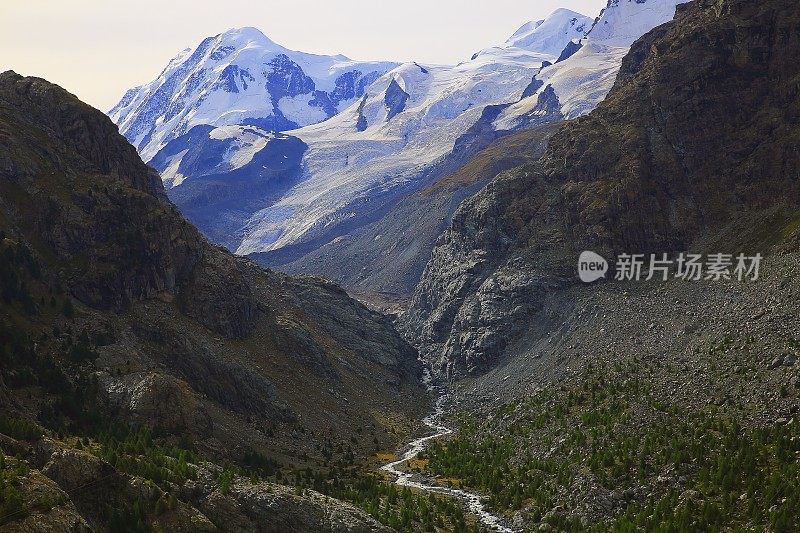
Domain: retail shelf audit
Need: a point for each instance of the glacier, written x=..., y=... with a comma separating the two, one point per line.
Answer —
x=363, y=158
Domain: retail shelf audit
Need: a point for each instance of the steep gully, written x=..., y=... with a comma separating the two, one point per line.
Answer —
x=471, y=500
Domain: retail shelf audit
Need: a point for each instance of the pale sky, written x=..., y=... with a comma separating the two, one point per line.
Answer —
x=97, y=49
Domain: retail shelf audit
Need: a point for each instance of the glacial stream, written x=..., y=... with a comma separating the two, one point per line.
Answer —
x=407, y=479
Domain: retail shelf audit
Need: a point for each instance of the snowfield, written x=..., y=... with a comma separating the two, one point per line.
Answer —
x=240, y=76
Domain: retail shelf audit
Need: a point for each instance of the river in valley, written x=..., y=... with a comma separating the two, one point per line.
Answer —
x=415, y=447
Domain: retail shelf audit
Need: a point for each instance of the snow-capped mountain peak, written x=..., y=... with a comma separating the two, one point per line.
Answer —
x=582, y=78
x=551, y=35
x=407, y=120
x=367, y=136
x=241, y=77
x=247, y=34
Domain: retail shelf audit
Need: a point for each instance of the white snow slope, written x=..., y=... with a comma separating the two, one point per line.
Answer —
x=240, y=76
x=584, y=79
x=346, y=164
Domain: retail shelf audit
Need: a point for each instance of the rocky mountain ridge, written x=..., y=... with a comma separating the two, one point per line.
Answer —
x=660, y=405
x=639, y=405
x=135, y=350
x=637, y=175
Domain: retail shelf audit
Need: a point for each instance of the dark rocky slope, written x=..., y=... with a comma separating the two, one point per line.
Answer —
x=117, y=314
x=651, y=406
x=636, y=406
x=694, y=149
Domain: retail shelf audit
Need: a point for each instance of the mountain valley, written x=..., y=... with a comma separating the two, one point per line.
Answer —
x=279, y=291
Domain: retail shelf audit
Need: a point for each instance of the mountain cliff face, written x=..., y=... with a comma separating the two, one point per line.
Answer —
x=676, y=157
x=121, y=324
x=240, y=77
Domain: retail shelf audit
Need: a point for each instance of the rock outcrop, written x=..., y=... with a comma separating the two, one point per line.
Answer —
x=395, y=99
x=73, y=491
x=246, y=505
